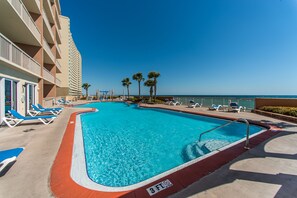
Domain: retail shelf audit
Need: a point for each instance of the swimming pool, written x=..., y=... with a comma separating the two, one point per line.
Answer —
x=125, y=145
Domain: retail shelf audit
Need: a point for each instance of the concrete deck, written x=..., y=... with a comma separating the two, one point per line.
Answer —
x=29, y=176
x=268, y=170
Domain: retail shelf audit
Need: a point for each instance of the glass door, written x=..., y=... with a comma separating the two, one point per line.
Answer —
x=10, y=95
x=30, y=96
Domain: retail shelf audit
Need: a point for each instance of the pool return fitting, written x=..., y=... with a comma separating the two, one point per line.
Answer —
x=246, y=146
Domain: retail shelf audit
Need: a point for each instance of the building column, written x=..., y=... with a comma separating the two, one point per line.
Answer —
x=20, y=96
x=40, y=91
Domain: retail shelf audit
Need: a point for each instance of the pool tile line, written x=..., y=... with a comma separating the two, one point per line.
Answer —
x=62, y=184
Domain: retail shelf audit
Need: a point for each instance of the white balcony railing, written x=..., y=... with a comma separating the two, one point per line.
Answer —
x=38, y=3
x=58, y=6
x=48, y=24
x=48, y=50
x=25, y=16
x=58, y=20
x=51, y=11
x=12, y=53
x=58, y=49
x=59, y=34
x=48, y=76
x=58, y=82
x=58, y=65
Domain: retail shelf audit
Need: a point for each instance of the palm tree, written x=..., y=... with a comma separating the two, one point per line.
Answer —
x=86, y=87
x=154, y=76
x=138, y=77
x=126, y=83
x=150, y=83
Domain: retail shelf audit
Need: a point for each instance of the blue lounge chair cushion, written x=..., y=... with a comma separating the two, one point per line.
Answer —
x=10, y=153
x=52, y=109
x=37, y=109
x=233, y=104
x=45, y=109
x=19, y=116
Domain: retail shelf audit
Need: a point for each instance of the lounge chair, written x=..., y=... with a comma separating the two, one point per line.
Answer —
x=18, y=118
x=7, y=158
x=215, y=107
x=174, y=103
x=54, y=109
x=167, y=102
x=66, y=101
x=36, y=110
x=234, y=107
x=63, y=102
x=193, y=104
x=59, y=102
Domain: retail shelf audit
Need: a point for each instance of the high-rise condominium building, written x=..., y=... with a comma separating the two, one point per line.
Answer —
x=71, y=76
x=30, y=53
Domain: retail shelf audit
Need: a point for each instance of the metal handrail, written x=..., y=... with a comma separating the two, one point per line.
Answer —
x=246, y=146
x=218, y=127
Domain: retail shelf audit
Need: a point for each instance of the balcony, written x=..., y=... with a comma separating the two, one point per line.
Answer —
x=49, y=11
x=58, y=82
x=58, y=36
x=57, y=5
x=48, y=33
x=59, y=68
x=58, y=54
x=49, y=57
x=58, y=20
x=48, y=76
x=17, y=24
x=13, y=56
x=32, y=6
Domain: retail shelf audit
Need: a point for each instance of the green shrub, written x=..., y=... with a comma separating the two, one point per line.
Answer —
x=135, y=100
x=157, y=101
x=290, y=111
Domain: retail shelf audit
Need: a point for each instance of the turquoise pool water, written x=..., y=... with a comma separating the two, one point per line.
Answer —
x=125, y=145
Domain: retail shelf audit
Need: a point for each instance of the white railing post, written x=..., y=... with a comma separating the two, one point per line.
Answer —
x=22, y=60
x=10, y=52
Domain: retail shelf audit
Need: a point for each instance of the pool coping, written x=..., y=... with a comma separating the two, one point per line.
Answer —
x=62, y=185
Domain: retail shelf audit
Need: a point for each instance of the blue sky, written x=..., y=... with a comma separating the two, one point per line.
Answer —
x=199, y=46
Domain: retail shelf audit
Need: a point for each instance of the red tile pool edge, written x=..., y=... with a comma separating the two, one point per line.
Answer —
x=62, y=184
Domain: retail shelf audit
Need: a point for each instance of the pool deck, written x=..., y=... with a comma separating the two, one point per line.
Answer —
x=268, y=170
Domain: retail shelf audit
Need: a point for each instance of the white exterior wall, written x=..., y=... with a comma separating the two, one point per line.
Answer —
x=22, y=79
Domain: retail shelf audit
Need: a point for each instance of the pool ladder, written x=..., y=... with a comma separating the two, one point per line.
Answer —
x=246, y=146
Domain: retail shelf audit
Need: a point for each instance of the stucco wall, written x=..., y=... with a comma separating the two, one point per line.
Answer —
x=285, y=102
x=62, y=91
